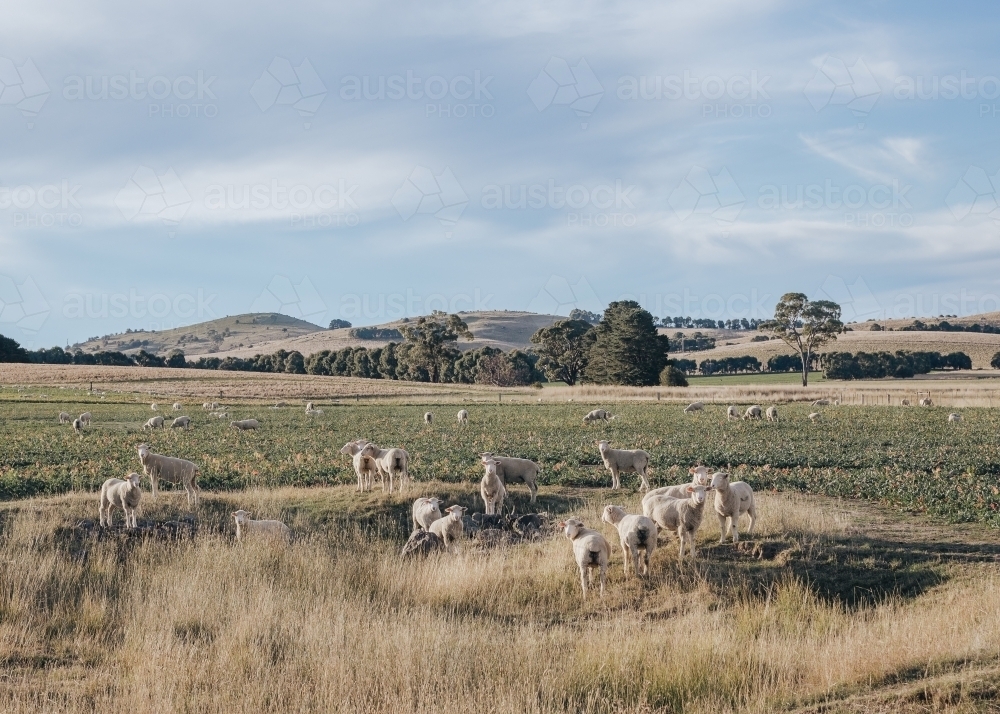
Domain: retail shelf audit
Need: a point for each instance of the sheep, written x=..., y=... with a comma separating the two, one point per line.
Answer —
x=590, y=549
x=425, y=512
x=211, y=406
x=123, y=494
x=389, y=463
x=153, y=423
x=681, y=515
x=364, y=466
x=772, y=414
x=85, y=418
x=732, y=413
x=428, y=418
x=620, y=461
x=181, y=423
x=732, y=500
x=245, y=425
x=463, y=416
x=266, y=529
x=693, y=407
x=78, y=426
x=155, y=407
x=814, y=417
x=904, y=402
x=752, y=412
x=700, y=476
x=954, y=417
x=491, y=489
x=821, y=403
x=449, y=528
x=309, y=406
x=65, y=418
x=634, y=532
x=313, y=412
x=170, y=469
x=926, y=402
x=514, y=470
x=221, y=415
x=599, y=415
x=177, y=406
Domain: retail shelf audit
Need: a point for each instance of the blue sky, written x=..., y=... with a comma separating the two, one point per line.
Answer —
x=163, y=167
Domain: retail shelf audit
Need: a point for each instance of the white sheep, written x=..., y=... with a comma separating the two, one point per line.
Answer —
x=599, y=415
x=221, y=415
x=78, y=426
x=732, y=413
x=491, y=489
x=926, y=402
x=177, y=406
x=65, y=418
x=463, y=416
x=732, y=500
x=364, y=466
x=449, y=528
x=313, y=412
x=954, y=417
x=635, y=533
x=390, y=463
x=428, y=418
x=266, y=529
x=821, y=403
x=211, y=406
x=124, y=494
x=86, y=418
x=620, y=461
x=181, y=423
x=425, y=512
x=693, y=407
x=153, y=423
x=591, y=551
x=309, y=406
x=154, y=406
x=245, y=424
x=752, y=412
x=681, y=515
x=814, y=417
x=700, y=476
x=772, y=413
x=514, y=470
x=171, y=470
x=904, y=402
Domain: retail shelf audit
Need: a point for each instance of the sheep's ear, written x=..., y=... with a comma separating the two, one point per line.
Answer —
x=690, y=489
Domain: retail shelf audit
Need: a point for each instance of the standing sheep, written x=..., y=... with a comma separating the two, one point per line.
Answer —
x=463, y=416
x=634, y=533
x=449, y=528
x=364, y=466
x=170, y=469
x=732, y=500
x=267, y=529
x=954, y=417
x=177, y=406
x=620, y=461
x=693, y=407
x=86, y=418
x=904, y=402
x=389, y=463
x=772, y=414
x=155, y=407
x=491, y=489
x=752, y=412
x=700, y=476
x=123, y=494
x=65, y=418
x=181, y=423
x=425, y=512
x=681, y=515
x=245, y=424
x=78, y=426
x=515, y=470
x=814, y=417
x=153, y=423
x=598, y=415
x=821, y=403
x=926, y=402
x=428, y=418
x=732, y=413
x=591, y=551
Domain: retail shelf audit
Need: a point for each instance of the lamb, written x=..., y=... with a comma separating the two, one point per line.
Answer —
x=364, y=466
x=177, y=406
x=463, y=416
x=772, y=414
x=590, y=549
x=954, y=417
x=693, y=407
x=425, y=512
x=181, y=423
x=681, y=515
x=449, y=528
x=266, y=529
x=821, y=403
x=153, y=423
x=428, y=418
x=389, y=462
x=514, y=470
x=926, y=402
x=732, y=413
x=904, y=402
x=170, y=469
x=245, y=425
x=491, y=489
x=752, y=412
x=814, y=417
x=123, y=494
x=622, y=461
x=78, y=426
x=211, y=406
x=85, y=418
x=732, y=500
x=599, y=415
x=65, y=418
x=700, y=476
x=634, y=532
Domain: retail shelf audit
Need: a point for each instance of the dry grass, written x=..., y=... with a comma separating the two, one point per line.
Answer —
x=338, y=623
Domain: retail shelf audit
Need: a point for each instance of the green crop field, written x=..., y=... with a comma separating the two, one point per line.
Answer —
x=904, y=457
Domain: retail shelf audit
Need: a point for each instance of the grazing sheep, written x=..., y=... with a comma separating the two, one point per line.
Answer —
x=814, y=417
x=364, y=466
x=212, y=406
x=177, y=406
x=389, y=463
x=732, y=413
x=620, y=461
x=598, y=415
x=245, y=425
x=700, y=476
x=153, y=423
x=732, y=500
x=428, y=418
x=821, y=403
x=181, y=423
x=155, y=407
x=449, y=528
x=926, y=402
x=954, y=417
x=693, y=407
x=634, y=533
x=313, y=412
x=425, y=512
x=170, y=469
x=85, y=418
x=772, y=413
x=514, y=470
x=904, y=402
x=463, y=417
x=752, y=412
x=123, y=494
x=491, y=489
x=78, y=426
x=221, y=415
x=681, y=515
x=267, y=529
x=65, y=418
x=590, y=549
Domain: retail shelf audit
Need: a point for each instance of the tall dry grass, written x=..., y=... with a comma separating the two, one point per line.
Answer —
x=338, y=623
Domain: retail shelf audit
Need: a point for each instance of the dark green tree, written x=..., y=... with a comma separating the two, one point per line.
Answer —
x=627, y=348
x=431, y=343
x=563, y=348
x=804, y=325
x=176, y=359
x=11, y=351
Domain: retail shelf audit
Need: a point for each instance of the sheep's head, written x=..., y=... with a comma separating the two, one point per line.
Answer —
x=603, y=446
x=143, y=449
x=456, y=512
x=241, y=517
x=434, y=502
x=701, y=475
x=696, y=493
x=491, y=466
x=350, y=448
x=368, y=450
x=133, y=478
x=486, y=456
x=613, y=514
x=571, y=527
x=720, y=481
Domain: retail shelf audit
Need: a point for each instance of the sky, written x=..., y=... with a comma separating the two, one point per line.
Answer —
x=165, y=166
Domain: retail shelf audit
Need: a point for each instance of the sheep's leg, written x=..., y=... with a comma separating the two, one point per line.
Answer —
x=102, y=511
x=645, y=561
x=615, y=483
x=723, y=529
x=110, y=513
x=735, y=520
x=533, y=487
x=584, y=572
x=680, y=536
x=645, y=482
x=635, y=560
x=752, y=512
x=604, y=576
